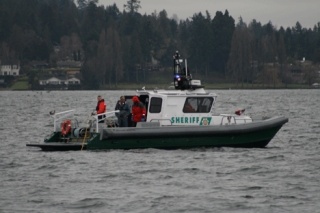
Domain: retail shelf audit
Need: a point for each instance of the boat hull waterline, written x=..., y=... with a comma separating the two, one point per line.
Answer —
x=251, y=135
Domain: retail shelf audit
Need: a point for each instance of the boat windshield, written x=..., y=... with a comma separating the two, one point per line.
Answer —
x=198, y=104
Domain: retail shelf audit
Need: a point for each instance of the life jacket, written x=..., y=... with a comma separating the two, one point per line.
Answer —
x=101, y=107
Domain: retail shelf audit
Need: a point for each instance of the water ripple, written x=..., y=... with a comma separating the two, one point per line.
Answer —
x=284, y=177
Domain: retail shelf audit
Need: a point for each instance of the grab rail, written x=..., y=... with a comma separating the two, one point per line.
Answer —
x=61, y=115
x=57, y=118
x=231, y=117
x=228, y=117
x=107, y=115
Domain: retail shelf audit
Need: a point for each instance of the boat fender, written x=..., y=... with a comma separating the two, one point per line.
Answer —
x=66, y=127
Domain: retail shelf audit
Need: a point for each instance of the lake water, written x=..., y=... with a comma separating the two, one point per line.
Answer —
x=283, y=177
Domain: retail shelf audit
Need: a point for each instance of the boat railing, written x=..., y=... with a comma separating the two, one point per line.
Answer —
x=232, y=119
x=103, y=117
x=57, y=117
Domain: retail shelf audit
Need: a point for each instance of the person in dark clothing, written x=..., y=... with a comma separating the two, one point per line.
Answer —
x=123, y=113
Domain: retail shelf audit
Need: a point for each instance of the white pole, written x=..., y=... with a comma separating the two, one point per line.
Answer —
x=185, y=61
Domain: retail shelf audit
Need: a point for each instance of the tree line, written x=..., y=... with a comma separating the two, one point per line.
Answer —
x=119, y=46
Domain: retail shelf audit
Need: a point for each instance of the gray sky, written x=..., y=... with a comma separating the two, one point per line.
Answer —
x=280, y=12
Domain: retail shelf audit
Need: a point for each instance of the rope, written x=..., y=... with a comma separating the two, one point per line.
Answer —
x=85, y=134
x=84, y=138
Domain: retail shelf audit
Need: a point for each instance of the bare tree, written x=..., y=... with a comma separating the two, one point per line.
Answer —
x=70, y=45
x=6, y=54
x=102, y=58
x=114, y=64
x=282, y=59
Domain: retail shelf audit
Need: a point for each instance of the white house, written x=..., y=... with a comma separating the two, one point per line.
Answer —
x=73, y=81
x=51, y=81
x=9, y=69
x=57, y=81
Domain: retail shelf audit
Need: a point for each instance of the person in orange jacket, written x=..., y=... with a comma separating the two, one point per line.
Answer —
x=138, y=111
x=101, y=108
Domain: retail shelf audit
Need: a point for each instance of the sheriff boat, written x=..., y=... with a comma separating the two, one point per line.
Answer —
x=182, y=118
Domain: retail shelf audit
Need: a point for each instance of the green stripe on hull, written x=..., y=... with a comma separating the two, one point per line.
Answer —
x=251, y=139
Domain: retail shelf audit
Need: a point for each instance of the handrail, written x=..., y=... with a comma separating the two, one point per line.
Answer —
x=107, y=114
x=234, y=117
x=228, y=116
x=61, y=115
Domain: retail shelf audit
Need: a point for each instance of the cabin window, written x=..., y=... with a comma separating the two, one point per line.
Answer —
x=198, y=104
x=155, y=105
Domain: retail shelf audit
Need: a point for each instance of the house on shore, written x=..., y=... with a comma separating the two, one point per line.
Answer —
x=55, y=83
x=9, y=69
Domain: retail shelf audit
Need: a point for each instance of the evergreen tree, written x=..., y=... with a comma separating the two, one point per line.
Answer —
x=84, y=3
x=199, y=45
x=240, y=58
x=32, y=30
x=132, y=6
x=223, y=27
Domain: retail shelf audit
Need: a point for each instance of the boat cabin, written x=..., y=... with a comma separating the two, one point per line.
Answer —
x=188, y=104
x=187, y=107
